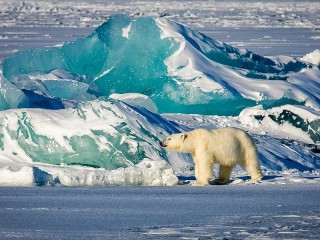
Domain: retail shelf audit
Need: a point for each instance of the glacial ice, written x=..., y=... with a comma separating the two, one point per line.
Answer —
x=181, y=70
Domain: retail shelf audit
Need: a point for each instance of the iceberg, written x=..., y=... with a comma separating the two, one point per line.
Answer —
x=180, y=69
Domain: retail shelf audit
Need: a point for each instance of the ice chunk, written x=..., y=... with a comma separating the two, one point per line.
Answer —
x=24, y=176
x=313, y=57
x=147, y=172
x=10, y=95
x=56, y=84
x=236, y=74
x=68, y=89
x=289, y=118
x=136, y=99
x=98, y=134
x=119, y=143
x=193, y=41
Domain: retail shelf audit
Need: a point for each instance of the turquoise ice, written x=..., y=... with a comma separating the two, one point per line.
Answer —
x=10, y=95
x=100, y=134
x=125, y=55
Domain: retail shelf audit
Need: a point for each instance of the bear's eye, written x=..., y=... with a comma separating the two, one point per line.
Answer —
x=169, y=138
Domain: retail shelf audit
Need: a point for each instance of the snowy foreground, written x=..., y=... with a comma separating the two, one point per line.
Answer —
x=181, y=212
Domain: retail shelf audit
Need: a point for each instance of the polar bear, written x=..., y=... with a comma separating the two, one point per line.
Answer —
x=226, y=146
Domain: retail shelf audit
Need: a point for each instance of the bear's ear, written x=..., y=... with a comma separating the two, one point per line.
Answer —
x=184, y=136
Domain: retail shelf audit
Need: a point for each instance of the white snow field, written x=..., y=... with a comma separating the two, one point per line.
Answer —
x=88, y=107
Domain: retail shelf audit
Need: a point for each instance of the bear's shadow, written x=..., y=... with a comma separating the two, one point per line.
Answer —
x=186, y=180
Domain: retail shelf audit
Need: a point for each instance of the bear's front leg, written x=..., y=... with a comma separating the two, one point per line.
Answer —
x=203, y=171
x=198, y=184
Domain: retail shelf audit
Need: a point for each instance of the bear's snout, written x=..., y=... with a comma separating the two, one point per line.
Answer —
x=162, y=144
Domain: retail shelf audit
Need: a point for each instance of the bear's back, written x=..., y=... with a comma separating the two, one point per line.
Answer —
x=231, y=136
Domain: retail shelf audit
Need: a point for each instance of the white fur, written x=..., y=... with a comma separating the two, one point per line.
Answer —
x=227, y=147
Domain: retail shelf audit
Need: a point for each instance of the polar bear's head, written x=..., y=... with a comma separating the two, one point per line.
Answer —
x=176, y=142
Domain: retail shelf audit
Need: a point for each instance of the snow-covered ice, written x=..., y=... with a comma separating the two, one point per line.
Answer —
x=313, y=57
x=180, y=69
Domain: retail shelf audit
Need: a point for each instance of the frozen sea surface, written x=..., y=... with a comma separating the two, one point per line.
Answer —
x=265, y=27
x=181, y=212
x=295, y=42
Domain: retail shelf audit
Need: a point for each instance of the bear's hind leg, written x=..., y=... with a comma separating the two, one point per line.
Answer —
x=254, y=170
x=224, y=174
x=251, y=162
